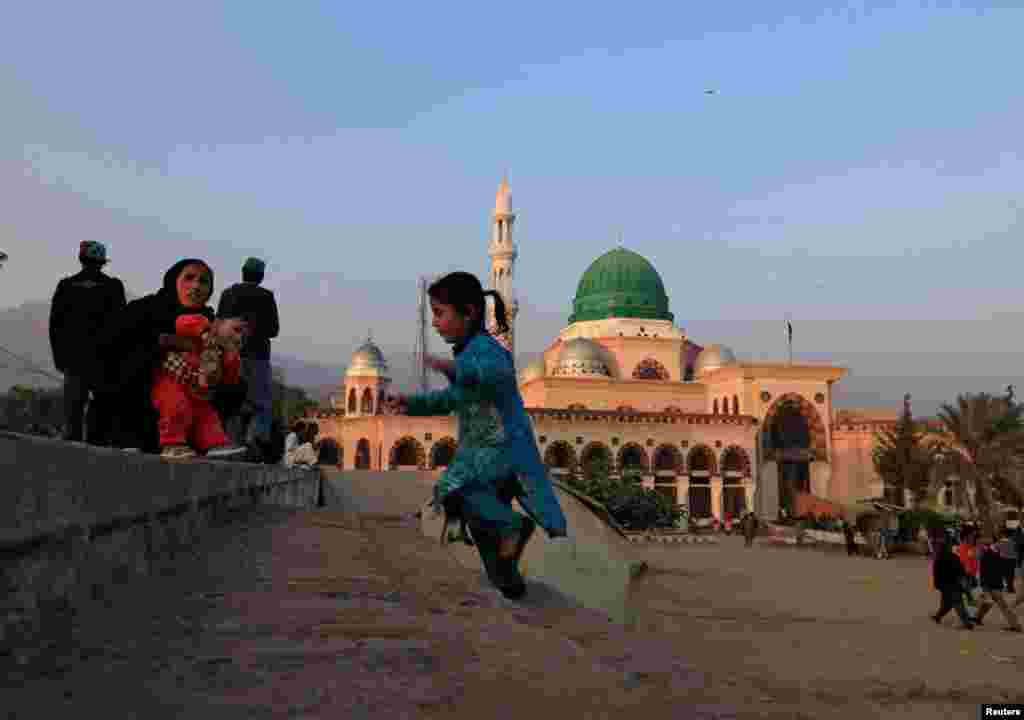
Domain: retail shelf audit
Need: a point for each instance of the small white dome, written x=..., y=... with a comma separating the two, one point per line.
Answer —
x=581, y=357
x=713, y=357
x=367, y=357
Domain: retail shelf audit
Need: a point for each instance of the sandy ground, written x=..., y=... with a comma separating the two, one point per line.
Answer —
x=814, y=623
x=312, y=615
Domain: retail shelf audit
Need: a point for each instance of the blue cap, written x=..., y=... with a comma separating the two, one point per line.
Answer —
x=92, y=250
x=254, y=265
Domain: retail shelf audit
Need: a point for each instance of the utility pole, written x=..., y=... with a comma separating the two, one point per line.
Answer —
x=422, y=337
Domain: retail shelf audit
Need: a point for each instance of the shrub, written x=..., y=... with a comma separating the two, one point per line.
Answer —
x=632, y=506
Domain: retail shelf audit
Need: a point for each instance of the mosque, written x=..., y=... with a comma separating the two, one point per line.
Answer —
x=623, y=385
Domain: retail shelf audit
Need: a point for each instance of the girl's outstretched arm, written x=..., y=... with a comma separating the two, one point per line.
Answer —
x=442, y=365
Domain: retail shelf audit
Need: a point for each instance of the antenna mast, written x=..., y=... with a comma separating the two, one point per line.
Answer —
x=422, y=376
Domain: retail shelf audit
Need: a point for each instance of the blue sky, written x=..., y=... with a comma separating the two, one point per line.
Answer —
x=860, y=166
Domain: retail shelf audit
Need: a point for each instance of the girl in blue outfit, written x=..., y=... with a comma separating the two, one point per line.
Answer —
x=497, y=459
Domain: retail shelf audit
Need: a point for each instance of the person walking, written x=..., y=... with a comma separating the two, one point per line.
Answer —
x=258, y=307
x=948, y=577
x=993, y=585
x=749, y=529
x=967, y=550
x=82, y=304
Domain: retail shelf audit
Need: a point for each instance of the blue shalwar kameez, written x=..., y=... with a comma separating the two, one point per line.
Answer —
x=497, y=458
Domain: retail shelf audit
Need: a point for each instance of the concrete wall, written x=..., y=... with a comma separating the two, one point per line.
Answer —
x=378, y=493
x=74, y=519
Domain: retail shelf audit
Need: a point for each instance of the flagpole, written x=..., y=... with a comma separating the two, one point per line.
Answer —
x=789, y=338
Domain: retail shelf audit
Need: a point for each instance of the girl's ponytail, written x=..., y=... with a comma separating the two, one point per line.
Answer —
x=500, y=314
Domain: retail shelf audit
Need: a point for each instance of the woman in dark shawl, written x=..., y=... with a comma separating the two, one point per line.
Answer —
x=134, y=343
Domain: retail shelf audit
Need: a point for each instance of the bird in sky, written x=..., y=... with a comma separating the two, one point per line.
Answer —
x=710, y=91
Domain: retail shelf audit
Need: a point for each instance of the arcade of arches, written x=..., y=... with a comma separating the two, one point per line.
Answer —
x=705, y=461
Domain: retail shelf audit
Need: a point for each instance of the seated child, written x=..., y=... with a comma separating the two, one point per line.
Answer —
x=181, y=389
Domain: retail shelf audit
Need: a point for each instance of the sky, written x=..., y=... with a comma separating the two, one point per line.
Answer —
x=858, y=168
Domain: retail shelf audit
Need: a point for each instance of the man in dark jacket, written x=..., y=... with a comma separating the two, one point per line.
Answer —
x=993, y=585
x=257, y=306
x=81, y=305
x=949, y=580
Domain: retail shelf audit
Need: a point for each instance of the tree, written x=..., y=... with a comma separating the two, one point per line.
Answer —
x=903, y=458
x=288, y=402
x=981, y=447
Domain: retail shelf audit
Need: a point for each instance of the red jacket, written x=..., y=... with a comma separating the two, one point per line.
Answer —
x=185, y=366
x=968, y=558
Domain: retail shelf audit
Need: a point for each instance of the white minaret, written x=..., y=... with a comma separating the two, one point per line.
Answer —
x=503, y=253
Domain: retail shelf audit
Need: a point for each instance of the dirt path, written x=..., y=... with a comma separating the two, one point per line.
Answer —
x=310, y=615
x=800, y=622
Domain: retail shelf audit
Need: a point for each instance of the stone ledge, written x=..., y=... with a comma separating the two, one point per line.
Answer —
x=76, y=518
x=58, y=488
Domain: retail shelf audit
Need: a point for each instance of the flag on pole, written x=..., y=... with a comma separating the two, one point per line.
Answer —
x=789, y=330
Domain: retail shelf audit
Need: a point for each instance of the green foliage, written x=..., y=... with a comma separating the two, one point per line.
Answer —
x=912, y=521
x=24, y=408
x=640, y=508
x=981, y=445
x=902, y=457
x=633, y=507
x=289, y=402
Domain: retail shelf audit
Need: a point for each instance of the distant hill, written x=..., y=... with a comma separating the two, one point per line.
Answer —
x=24, y=331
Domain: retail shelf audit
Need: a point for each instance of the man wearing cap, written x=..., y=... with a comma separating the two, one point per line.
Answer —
x=257, y=306
x=993, y=585
x=81, y=305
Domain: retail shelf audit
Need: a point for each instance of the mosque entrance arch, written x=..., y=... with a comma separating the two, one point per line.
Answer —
x=362, y=456
x=794, y=437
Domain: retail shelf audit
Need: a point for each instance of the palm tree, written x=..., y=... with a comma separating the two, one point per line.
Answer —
x=981, y=447
x=902, y=457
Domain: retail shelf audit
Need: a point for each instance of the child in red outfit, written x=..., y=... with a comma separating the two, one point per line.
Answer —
x=188, y=421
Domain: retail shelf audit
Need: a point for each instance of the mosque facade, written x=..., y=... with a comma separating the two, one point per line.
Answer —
x=625, y=386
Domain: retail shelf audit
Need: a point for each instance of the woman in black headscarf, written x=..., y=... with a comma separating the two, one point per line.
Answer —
x=134, y=343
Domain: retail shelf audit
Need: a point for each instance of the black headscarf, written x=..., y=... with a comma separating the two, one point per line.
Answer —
x=168, y=296
x=128, y=349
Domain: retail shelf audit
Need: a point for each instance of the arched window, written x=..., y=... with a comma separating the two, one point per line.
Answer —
x=443, y=452
x=714, y=406
x=596, y=461
x=735, y=462
x=667, y=458
x=367, y=403
x=735, y=405
x=560, y=455
x=407, y=452
x=650, y=369
x=352, y=401
x=701, y=460
x=633, y=461
x=363, y=454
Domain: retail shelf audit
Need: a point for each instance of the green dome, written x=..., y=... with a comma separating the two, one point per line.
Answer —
x=623, y=284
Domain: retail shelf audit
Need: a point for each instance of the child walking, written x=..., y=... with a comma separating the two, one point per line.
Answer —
x=496, y=459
